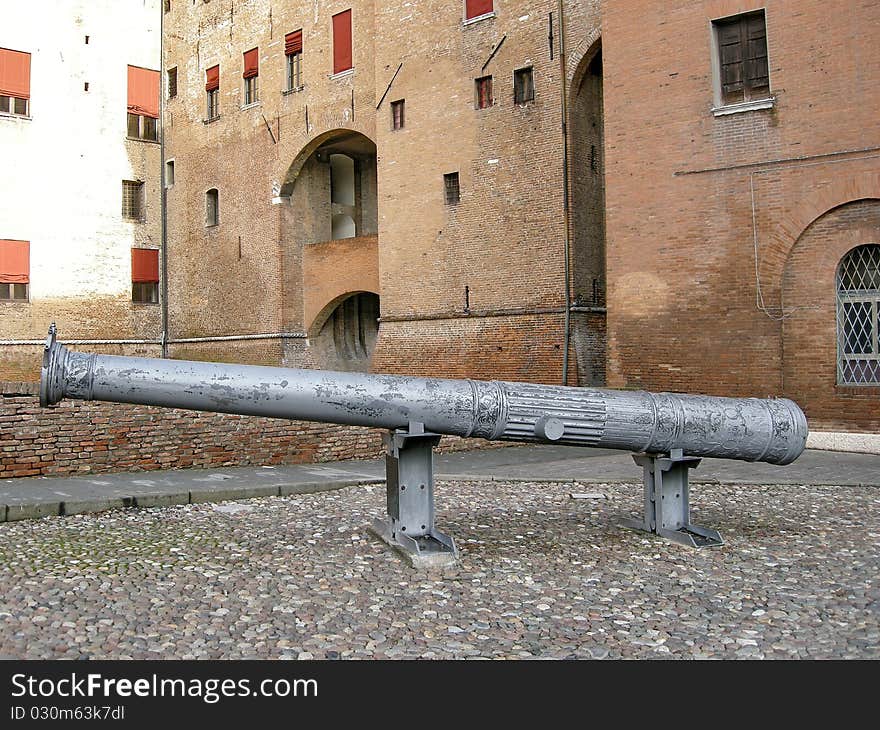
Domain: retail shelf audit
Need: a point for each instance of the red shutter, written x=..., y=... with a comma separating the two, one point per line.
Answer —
x=212, y=78
x=143, y=91
x=144, y=265
x=15, y=262
x=15, y=74
x=475, y=8
x=293, y=43
x=342, y=42
x=251, y=63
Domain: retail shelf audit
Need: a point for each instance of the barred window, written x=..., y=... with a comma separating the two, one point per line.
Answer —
x=132, y=200
x=172, y=82
x=858, y=316
x=451, y=187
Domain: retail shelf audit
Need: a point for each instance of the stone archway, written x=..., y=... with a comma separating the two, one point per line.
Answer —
x=328, y=231
x=587, y=214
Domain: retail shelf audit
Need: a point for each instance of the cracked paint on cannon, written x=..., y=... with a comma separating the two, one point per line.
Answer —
x=751, y=429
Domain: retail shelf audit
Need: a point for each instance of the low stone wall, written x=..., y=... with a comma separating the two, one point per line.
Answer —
x=78, y=437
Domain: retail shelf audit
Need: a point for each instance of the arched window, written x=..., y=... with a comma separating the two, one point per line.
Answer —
x=212, y=208
x=858, y=316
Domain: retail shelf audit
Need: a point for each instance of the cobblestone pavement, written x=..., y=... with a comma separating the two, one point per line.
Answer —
x=541, y=575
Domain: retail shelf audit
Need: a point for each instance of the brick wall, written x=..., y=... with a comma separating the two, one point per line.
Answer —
x=79, y=437
x=705, y=213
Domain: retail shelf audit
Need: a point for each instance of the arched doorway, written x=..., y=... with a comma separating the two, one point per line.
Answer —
x=587, y=199
x=345, y=339
x=329, y=241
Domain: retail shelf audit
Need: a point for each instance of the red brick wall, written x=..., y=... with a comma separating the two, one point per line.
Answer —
x=79, y=437
x=693, y=197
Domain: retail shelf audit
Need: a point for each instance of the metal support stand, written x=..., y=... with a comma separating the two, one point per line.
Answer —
x=667, y=507
x=409, y=475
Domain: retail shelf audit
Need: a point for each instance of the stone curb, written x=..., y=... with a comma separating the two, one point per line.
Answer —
x=37, y=510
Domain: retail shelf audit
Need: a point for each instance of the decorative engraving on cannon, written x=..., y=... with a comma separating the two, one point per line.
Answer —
x=669, y=432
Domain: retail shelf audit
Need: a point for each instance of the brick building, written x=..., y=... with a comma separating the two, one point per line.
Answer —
x=743, y=201
x=80, y=223
x=357, y=174
x=389, y=185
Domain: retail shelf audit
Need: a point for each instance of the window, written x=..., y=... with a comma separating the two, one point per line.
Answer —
x=450, y=184
x=212, y=90
x=144, y=275
x=858, y=317
x=172, y=82
x=167, y=6
x=743, y=72
x=483, y=92
x=293, y=46
x=143, y=103
x=397, y=116
x=15, y=270
x=15, y=82
x=477, y=8
x=133, y=200
x=250, y=76
x=169, y=173
x=523, y=86
x=212, y=208
x=342, y=58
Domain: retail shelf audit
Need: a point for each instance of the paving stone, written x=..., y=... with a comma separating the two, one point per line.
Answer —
x=540, y=576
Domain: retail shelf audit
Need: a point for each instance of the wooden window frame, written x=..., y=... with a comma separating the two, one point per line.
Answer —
x=483, y=100
x=752, y=93
x=8, y=292
x=15, y=106
x=398, y=120
x=520, y=89
x=294, y=71
x=146, y=128
x=212, y=110
x=251, y=90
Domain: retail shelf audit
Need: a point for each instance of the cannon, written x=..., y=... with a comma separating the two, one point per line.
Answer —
x=669, y=432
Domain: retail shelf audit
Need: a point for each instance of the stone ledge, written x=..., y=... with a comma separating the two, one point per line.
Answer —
x=862, y=443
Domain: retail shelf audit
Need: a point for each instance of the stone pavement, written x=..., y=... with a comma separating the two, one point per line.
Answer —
x=295, y=574
x=33, y=497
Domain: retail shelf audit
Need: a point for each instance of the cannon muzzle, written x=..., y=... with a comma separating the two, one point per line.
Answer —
x=750, y=429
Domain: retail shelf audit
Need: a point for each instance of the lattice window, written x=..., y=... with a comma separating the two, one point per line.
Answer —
x=858, y=317
x=132, y=200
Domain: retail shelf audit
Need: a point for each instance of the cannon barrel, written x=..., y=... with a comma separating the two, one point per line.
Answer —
x=750, y=429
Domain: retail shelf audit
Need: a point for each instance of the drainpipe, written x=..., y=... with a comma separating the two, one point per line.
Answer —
x=163, y=200
x=565, y=203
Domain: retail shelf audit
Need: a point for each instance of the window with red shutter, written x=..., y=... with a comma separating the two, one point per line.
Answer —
x=15, y=82
x=145, y=275
x=15, y=270
x=293, y=50
x=342, y=56
x=250, y=76
x=476, y=8
x=212, y=91
x=143, y=103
